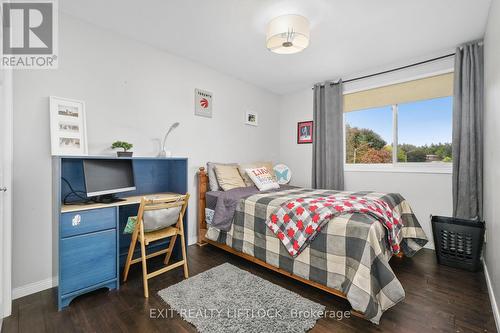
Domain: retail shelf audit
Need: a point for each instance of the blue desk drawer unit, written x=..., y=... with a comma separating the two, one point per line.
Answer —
x=87, y=252
x=82, y=222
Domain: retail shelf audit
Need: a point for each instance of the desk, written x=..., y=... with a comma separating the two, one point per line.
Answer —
x=91, y=244
x=132, y=200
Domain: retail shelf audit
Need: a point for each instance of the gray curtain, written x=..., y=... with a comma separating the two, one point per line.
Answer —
x=468, y=132
x=328, y=145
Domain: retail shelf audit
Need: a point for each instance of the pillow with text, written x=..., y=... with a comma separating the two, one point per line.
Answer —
x=262, y=178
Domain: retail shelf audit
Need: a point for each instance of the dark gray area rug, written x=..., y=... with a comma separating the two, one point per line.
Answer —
x=228, y=299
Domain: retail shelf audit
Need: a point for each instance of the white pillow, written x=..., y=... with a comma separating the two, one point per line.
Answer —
x=262, y=178
x=244, y=166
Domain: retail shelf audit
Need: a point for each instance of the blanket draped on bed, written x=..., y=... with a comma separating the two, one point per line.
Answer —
x=349, y=254
x=297, y=222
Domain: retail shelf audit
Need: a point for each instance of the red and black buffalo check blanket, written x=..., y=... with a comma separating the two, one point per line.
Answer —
x=297, y=222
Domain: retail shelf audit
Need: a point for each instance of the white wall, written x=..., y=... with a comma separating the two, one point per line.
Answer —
x=133, y=92
x=492, y=154
x=427, y=193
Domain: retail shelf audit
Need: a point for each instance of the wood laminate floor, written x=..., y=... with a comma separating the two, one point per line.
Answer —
x=438, y=298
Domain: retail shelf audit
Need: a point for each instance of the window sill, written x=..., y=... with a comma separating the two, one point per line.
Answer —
x=400, y=168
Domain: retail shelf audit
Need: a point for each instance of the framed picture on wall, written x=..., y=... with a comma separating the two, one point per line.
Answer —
x=203, y=103
x=251, y=118
x=305, y=132
x=68, y=128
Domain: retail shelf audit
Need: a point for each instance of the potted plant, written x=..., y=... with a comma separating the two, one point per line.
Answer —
x=123, y=145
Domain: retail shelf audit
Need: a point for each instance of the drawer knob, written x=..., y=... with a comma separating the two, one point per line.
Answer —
x=76, y=220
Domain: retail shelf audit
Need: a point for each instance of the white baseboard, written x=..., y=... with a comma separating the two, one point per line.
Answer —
x=493, y=300
x=34, y=287
x=192, y=239
x=430, y=246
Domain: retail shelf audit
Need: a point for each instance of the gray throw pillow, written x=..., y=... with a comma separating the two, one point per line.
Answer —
x=212, y=178
x=161, y=218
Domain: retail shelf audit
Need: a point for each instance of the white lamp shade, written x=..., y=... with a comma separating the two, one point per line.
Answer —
x=287, y=34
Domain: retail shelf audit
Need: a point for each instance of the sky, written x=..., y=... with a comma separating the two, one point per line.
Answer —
x=419, y=123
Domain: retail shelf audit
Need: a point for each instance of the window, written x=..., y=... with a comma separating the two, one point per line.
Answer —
x=368, y=135
x=419, y=127
x=424, y=130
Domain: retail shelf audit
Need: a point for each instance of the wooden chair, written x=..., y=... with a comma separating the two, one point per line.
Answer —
x=144, y=237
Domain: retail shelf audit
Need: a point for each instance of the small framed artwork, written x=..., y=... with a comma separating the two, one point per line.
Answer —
x=203, y=103
x=251, y=118
x=305, y=132
x=68, y=130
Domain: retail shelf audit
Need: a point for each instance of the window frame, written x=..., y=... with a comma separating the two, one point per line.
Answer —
x=394, y=166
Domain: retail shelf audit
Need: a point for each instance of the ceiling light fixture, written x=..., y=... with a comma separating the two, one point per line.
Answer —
x=287, y=34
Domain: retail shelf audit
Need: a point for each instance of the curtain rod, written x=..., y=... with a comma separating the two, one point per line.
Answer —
x=398, y=68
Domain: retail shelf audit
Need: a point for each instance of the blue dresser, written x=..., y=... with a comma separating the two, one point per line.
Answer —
x=92, y=247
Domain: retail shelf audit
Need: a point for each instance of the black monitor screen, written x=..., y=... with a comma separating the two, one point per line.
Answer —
x=108, y=176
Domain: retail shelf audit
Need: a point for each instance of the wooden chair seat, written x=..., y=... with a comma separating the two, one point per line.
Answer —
x=159, y=234
x=145, y=238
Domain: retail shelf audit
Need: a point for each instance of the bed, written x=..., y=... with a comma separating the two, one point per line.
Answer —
x=349, y=257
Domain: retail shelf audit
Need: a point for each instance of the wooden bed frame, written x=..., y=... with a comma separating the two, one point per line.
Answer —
x=202, y=241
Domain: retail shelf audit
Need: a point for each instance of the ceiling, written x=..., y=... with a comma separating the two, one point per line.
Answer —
x=348, y=37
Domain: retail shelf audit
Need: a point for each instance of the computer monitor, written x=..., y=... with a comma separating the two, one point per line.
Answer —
x=104, y=178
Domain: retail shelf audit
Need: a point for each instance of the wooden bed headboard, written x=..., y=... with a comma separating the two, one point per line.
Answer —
x=202, y=203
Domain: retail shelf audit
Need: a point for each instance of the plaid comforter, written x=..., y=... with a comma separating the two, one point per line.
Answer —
x=350, y=254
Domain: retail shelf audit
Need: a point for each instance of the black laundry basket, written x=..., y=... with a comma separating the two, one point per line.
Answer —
x=458, y=242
